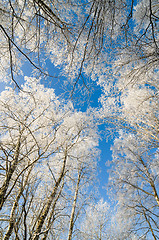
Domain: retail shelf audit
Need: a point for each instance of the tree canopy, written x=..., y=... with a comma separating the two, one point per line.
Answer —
x=49, y=149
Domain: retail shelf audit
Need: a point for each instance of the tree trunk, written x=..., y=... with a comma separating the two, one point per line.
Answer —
x=51, y=219
x=12, y=215
x=9, y=174
x=49, y=202
x=73, y=208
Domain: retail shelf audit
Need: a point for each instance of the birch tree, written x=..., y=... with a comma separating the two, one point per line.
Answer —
x=135, y=180
x=41, y=139
x=132, y=111
x=82, y=178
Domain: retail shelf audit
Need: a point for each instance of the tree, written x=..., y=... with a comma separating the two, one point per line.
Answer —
x=135, y=180
x=132, y=110
x=41, y=140
x=82, y=176
x=134, y=174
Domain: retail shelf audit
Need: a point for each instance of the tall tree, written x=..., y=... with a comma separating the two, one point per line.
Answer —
x=131, y=104
x=134, y=178
x=135, y=156
x=41, y=143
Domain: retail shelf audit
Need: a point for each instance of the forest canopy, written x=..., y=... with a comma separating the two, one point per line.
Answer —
x=50, y=148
